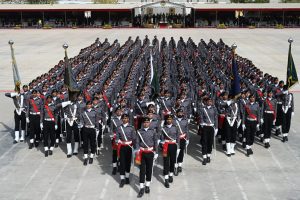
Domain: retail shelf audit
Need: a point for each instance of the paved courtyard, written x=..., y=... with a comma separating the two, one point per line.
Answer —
x=27, y=174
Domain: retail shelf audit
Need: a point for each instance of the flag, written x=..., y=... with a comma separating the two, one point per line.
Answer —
x=16, y=75
x=235, y=80
x=70, y=81
x=291, y=75
x=154, y=80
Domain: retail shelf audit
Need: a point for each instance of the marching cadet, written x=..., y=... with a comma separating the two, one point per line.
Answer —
x=170, y=138
x=278, y=91
x=251, y=120
x=115, y=123
x=140, y=108
x=101, y=115
x=35, y=106
x=231, y=123
x=72, y=116
x=146, y=146
x=221, y=105
x=80, y=106
x=58, y=131
x=269, y=108
x=48, y=123
x=288, y=112
x=126, y=140
x=19, y=114
x=89, y=120
x=183, y=125
x=243, y=100
x=209, y=125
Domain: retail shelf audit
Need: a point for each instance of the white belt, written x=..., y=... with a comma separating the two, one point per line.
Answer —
x=170, y=141
x=279, y=102
x=269, y=111
x=49, y=119
x=89, y=126
x=35, y=113
x=125, y=142
x=205, y=124
x=250, y=119
x=146, y=149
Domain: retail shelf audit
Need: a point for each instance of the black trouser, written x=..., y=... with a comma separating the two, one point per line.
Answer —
x=250, y=131
x=207, y=139
x=20, y=118
x=170, y=159
x=35, y=129
x=59, y=128
x=49, y=131
x=146, y=166
x=286, y=121
x=89, y=136
x=75, y=130
x=230, y=131
x=125, y=159
x=279, y=115
x=268, y=124
x=99, y=138
x=114, y=156
x=182, y=148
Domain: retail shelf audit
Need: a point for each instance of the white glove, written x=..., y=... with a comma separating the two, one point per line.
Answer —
x=216, y=132
x=257, y=127
x=155, y=156
x=13, y=94
x=262, y=121
x=80, y=125
x=293, y=114
x=41, y=125
x=187, y=142
x=195, y=109
x=131, y=110
x=27, y=120
x=243, y=127
x=55, y=127
x=97, y=131
x=64, y=104
x=134, y=117
x=189, y=120
x=228, y=102
x=274, y=121
x=111, y=109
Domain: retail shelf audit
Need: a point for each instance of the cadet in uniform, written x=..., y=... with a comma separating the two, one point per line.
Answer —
x=288, y=112
x=146, y=146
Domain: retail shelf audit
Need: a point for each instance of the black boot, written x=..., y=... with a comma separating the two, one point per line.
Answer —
x=127, y=180
x=114, y=171
x=85, y=161
x=69, y=155
x=286, y=138
x=208, y=159
x=204, y=161
x=15, y=142
x=179, y=169
x=91, y=161
x=46, y=153
x=167, y=185
x=170, y=179
x=36, y=144
x=277, y=132
x=224, y=147
x=248, y=152
x=122, y=183
x=244, y=145
x=141, y=193
x=251, y=152
x=50, y=153
x=56, y=145
x=147, y=189
x=176, y=171
x=30, y=145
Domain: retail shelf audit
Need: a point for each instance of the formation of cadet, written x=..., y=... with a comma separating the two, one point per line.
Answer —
x=118, y=98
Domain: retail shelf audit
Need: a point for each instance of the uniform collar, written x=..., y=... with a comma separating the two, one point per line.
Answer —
x=125, y=125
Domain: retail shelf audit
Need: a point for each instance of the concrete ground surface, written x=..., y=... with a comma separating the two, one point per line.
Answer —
x=27, y=174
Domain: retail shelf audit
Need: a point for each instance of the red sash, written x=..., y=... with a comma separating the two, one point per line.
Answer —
x=113, y=142
x=221, y=121
x=35, y=108
x=138, y=156
x=250, y=114
x=165, y=148
x=106, y=100
x=87, y=95
x=119, y=148
x=49, y=112
x=271, y=108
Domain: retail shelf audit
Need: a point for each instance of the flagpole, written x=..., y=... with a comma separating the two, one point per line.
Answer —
x=16, y=76
x=65, y=46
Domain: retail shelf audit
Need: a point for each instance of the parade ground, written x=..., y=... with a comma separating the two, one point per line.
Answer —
x=268, y=174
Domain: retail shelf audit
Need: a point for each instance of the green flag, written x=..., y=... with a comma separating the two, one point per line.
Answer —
x=291, y=77
x=70, y=81
x=16, y=75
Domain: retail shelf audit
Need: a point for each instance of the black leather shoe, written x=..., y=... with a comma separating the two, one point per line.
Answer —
x=224, y=147
x=228, y=155
x=21, y=140
x=30, y=145
x=244, y=145
x=167, y=185
x=204, y=161
x=261, y=139
x=46, y=153
x=277, y=132
x=36, y=144
x=69, y=156
x=170, y=179
x=147, y=189
x=56, y=145
x=176, y=171
x=141, y=193
x=15, y=142
x=127, y=180
x=85, y=161
x=251, y=152
x=179, y=169
x=122, y=183
x=91, y=161
x=114, y=171
x=286, y=138
x=248, y=152
x=208, y=159
x=50, y=153
x=75, y=154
